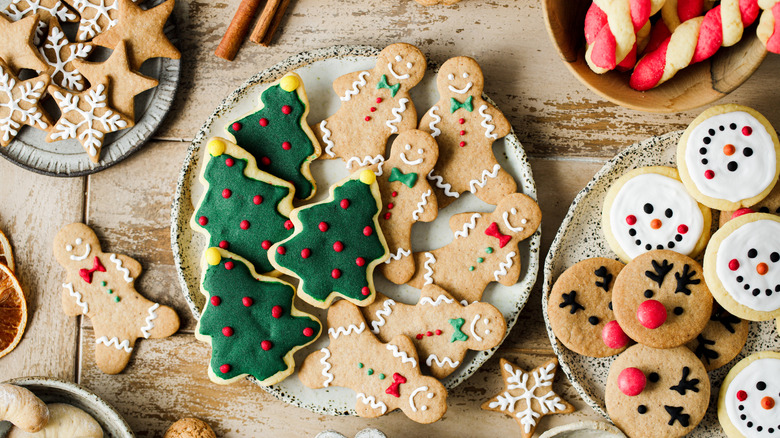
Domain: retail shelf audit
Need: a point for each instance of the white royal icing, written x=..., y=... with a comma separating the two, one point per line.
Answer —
x=346, y=331
x=150, y=321
x=28, y=93
x=58, y=9
x=87, y=249
x=468, y=226
x=474, y=327
x=421, y=205
x=402, y=354
x=397, y=113
x=114, y=342
x=753, y=173
x=487, y=123
x=397, y=256
x=463, y=90
x=440, y=299
x=125, y=272
x=396, y=75
x=371, y=401
x=326, y=367
x=326, y=138
x=503, y=266
x=410, y=162
x=509, y=225
x=415, y=392
x=367, y=161
x=77, y=295
x=355, y=86
x=428, y=265
x=103, y=10
x=381, y=314
x=662, y=193
x=435, y=132
x=439, y=181
x=473, y=184
x=764, y=370
x=64, y=73
x=763, y=236
x=440, y=363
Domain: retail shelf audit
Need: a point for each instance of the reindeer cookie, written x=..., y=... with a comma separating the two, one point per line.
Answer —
x=442, y=329
x=406, y=198
x=385, y=376
x=101, y=286
x=375, y=105
x=484, y=249
x=465, y=126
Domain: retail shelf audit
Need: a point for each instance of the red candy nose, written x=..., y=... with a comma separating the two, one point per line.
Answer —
x=631, y=381
x=651, y=314
x=613, y=336
x=741, y=211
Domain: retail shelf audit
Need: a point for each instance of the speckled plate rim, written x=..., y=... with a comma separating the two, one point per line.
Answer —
x=526, y=180
x=96, y=403
x=131, y=140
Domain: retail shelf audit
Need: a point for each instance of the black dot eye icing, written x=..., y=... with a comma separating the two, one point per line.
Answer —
x=752, y=253
x=774, y=257
x=648, y=208
x=669, y=212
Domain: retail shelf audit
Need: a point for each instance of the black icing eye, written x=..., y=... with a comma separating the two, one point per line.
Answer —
x=678, y=311
x=775, y=257
x=668, y=212
x=752, y=253
x=648, y=208
x=653, y=377
x=747, y=152
x=760, y=386
x=641, y=409
x=733, y=126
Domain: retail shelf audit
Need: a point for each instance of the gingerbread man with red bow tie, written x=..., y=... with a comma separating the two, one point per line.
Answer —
x=484, y=249
x=101, y=286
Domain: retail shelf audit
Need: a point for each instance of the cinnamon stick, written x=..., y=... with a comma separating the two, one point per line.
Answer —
x=237, y=30
x=264, y=22
x=275, y=24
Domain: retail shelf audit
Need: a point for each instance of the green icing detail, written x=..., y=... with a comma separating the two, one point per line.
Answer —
x=468, y=104
x=471, y=268
x=111, y=291
x=489, y=250
x=408, y=179
x=266, y=141
x=370, y=371
x=360, y=365
x=103, y=283
x=253, y=324
x=345, y=225
x=480, y=260
x=381, y=377
x=117, y=299
x=383, y=84
x=458, y=335
x=225, y=214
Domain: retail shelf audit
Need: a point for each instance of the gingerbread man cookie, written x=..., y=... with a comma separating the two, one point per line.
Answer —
x=375, y=104
x=406, y=198
x=465, y=126
x=442, y=329
x=484, y=249
x=385, y=376
x=102, y=286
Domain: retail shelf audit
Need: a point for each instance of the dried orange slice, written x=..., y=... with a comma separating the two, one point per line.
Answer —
x=13, y=311
x=6, y=255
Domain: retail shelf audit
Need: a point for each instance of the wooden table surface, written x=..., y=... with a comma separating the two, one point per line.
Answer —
x=568, y=131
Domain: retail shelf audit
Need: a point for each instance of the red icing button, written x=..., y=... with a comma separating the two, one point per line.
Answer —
x=247, y=301
x=227, y=331
x=263, y=122
x=373, y=108
x=709, y=174
x=613, y=335
x=244, y=224
x=631, y=381
x=365, y=291
x=281, y=250
x=265, y=161
x=308, y=332
x=767, y=403
x=368, y=118
x=388, y=215
x=228, y=265
x=378, y=100
x=257, y=199
x=203, y=220
x=631, y=219
x=266, y=244
x=429, y=334
x=288, y=224
x=286, y=145
x=419, y=336
x=360, y=261
x=229, y=162
x=741, y=395
x=336, y=273
x=462, y=132
x=286, y=109
x=394, y=194
x=344, y=203
x=224, y=369
x=266, y=345
x=747, y=130
x=651, y=314
x=224, y=244
x=367, y=231
x=323, y=226
x=236, y=126
x=338, y=246
x=734, y=264
x=276, y=311
x=226, y=193
x=463, y=143
x=461, y=121
x=390, y=206
x=741, y=211
x=438, y=332
x=216, y=301
x=306, y=253
x=682, y=229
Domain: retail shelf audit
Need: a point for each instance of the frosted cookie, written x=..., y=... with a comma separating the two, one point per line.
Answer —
x=580, y=308
x=647, y=209
x=721, y=340
x=20, y=103
x=742, y=266
x=749, y=399
x=728, y=157
x=657, y=393
x=660, y=299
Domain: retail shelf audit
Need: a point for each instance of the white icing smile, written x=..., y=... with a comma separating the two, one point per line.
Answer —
x=396, y=75
x=474, y=326
x=753, y=399
x=509, y=225
x=463, y=90
x=87, y=250
x=410, y=162
x=414, y=393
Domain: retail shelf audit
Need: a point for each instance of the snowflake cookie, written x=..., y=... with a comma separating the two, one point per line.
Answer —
x=19, y=103
x=528, y=401
x=46, y=10
x=97, y=16
x=60, y=53
x=86, y=117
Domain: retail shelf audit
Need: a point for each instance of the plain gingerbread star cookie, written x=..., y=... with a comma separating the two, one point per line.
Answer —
x=18, y=50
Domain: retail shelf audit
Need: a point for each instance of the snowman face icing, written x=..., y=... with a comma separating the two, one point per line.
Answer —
x=748, y=265
x=753, y=399
x=653, y=211
x=731, y=156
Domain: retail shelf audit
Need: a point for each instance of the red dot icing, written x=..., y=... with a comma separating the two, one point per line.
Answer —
x=360, y=261
x=308, y=332
x=734, y=264
x=203, y=220
x=461, y=121
x=438, y=332
x=247, y=301
x=288, y=225
x=281, y=250
x=378, y=100
x=368, y=118
x=266, y=244
x=463, y=143
x=224, y=244
x=263, y=122
x=390, y=205
x=388, y=215
x=462, y=132
x=613, y=335
x=741, y=395
x=428, y=334
x=336, y=273
x=228, y=265
x=631, y=219
x=226, y=193
x=244, y=224
x=277, y=311
x=236, y=126
x=286, y=145
x=257, y=199
x=747, y=130
x=631, y=381
x=394, y=194
x=224, y=369
x=365, y=291
x=216, y=301
x=682, y=229
x=709, y=174
x=227, y=331
x=344, y=203
x=229, y=162
x=651, y=314
x=323, y=226
x=373, y=108
x=306, y=253
x=419, y=336
x=265, y=161
x=266, y=345
x=338, y=246
x=367, y=231
x=286, y=109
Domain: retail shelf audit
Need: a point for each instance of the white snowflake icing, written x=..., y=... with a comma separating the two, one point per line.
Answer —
x=64, y=54
x=548, y=402
x=98, y=113
x=101, y=11
x=17, y=10
x=29, y=93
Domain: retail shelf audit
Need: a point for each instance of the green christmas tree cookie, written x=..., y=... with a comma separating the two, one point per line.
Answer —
x=277, y=134
x=250, y=321
x=336, y=245
x=244, y=210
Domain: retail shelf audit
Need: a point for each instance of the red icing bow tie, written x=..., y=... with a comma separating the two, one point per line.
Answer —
x=503, y=239
x=86, y=274
x=393, y=389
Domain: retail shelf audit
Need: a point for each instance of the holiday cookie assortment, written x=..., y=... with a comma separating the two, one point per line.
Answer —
x=40, y=61
x=257, y=214
x=681, y=304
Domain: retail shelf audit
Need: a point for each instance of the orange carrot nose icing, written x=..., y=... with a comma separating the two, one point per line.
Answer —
x=655, y=224
x=729, y=149
x=762, y=268
x=767, y=403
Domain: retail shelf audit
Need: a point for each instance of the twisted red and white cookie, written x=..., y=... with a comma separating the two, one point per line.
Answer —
x=749, y=399
x=768, y=30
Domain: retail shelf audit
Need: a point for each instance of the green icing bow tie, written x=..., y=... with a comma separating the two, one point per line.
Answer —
x=408, y=179
x=456, y=105
x=383, y=84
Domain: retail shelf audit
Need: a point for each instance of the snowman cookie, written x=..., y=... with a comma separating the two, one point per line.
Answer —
x=660, y=299
x=743, y=266
x=721, y=340
x=647, y=209
x=657, y=393
x=580, y=308
x=728, y=157
x=749, y=399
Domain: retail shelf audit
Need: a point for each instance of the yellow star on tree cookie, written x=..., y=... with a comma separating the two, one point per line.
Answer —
x=143, y=32
x=19, y=103
x=17, y=48
x=117, y=70
x=528, y=396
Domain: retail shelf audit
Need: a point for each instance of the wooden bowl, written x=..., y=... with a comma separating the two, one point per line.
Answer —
x=692, y=87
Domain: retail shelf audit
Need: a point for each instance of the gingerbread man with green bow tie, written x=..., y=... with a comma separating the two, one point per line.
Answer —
x=406, y=198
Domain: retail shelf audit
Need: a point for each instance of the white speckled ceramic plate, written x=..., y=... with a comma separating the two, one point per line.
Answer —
x=318, y=69
x=580, y=237
x=67, y=157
